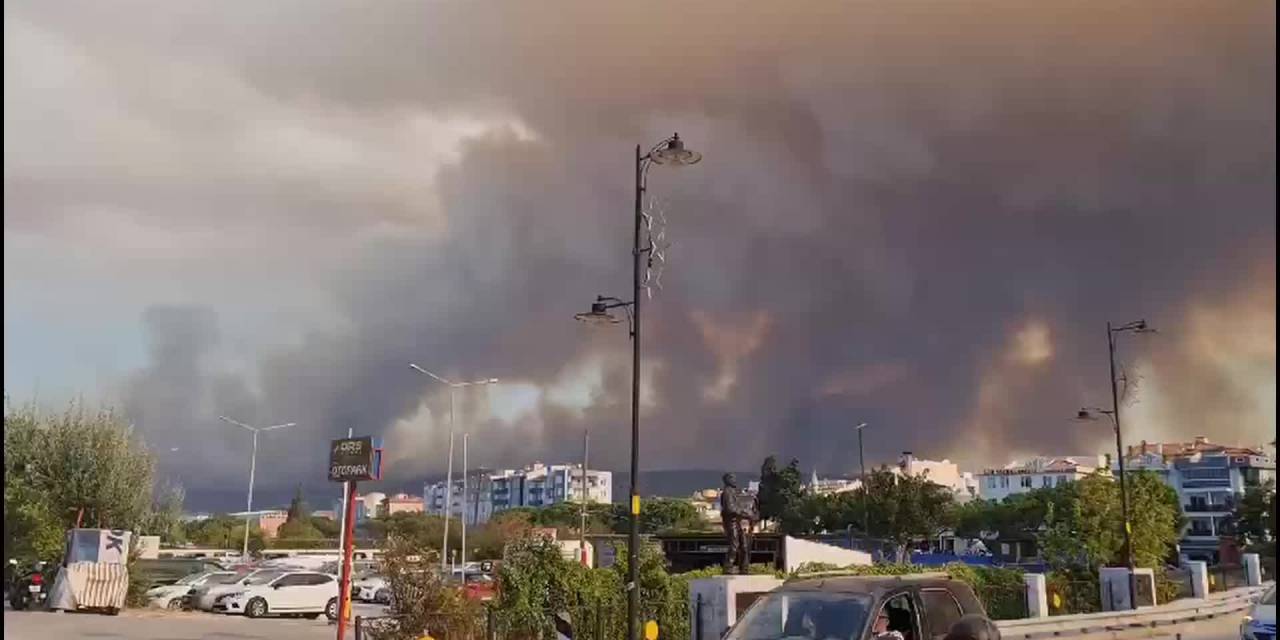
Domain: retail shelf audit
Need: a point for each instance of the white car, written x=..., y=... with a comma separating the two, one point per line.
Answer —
x=1260, y=624
x=204, y=596
x=170, y=596
x=307, y=593
x=366, y=588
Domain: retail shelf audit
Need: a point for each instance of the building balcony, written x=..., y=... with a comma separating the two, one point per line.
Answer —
x=1219, y=507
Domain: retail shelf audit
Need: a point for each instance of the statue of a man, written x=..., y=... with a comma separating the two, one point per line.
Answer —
x=738, y=514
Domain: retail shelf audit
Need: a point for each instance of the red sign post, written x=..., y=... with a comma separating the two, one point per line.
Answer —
x=348, y=546
x=350, y=460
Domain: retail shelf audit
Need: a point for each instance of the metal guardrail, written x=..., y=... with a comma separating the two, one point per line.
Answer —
x=1178, y=612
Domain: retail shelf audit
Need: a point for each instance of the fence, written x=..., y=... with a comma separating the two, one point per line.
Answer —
x=599, y=625
x=1224, y=576
x=1071, y=596
x=1003, y=601
x=1174, y=584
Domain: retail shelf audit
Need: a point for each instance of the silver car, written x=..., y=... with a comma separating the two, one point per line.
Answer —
x=204, y=596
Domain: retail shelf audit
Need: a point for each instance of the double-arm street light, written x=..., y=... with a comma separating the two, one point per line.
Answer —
x=253, y=465
x=448, y=481
x=671, y=152
x=1092, y=413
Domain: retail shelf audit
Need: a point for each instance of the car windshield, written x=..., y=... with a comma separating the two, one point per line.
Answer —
x=263, y=577
x=1269, y=597
x=818, y=615
x=190, y=579
x=224, y=578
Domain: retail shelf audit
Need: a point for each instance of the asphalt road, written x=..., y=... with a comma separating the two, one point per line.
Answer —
x=164, y=625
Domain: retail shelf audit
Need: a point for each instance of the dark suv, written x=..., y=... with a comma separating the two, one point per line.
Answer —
x=858, y=608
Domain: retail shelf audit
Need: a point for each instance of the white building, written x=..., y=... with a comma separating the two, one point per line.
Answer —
x=944, y=472
x=1037, y=473
x=537, y=485
x=1209, y=479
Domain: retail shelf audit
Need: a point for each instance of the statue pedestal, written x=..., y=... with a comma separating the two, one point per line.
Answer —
x=715, y=603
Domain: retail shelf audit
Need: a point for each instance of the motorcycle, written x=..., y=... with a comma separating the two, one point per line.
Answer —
x=28, y=587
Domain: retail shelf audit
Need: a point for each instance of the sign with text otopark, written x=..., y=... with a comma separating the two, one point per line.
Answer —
x=352, y=459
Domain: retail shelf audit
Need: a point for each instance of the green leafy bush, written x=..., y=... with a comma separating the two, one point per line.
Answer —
x=1003, y=592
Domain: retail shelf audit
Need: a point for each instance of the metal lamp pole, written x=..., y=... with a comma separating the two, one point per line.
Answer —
x=448, y=481
x=253, y=466
x=1137, y=326
x=669, y=151
x=862, y=478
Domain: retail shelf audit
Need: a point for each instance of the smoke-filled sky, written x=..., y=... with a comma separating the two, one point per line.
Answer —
x=915, y=214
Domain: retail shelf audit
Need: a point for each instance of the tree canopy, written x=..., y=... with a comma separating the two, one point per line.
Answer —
x=81, y=466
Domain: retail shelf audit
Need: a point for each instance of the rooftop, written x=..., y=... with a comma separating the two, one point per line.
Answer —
x=1199, y=445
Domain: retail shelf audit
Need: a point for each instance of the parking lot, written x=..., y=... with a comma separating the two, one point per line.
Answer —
x=148, y=624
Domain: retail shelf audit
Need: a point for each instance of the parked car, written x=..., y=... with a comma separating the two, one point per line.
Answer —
x=480, y=587
x=366, y=587
x=204, y=596
x=1260, y=624
x=306, y=593
x=174, y=596
x=165, y=571
x=859, y=607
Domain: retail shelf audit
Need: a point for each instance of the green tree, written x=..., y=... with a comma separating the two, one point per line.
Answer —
x=77, y=467
x=660, y=515
x=298, y=525
x=1088, y=530
x=222, y=532
x=905, y=508
x=423, y=603
x=1255, y=516
x=422, y=530
x=780, y=490
x=328, y=527
x=490, y=539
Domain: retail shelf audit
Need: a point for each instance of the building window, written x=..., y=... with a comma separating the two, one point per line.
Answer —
x=991, y=482
x=1046, y=481
x=1026, y=481
x=1004, y=482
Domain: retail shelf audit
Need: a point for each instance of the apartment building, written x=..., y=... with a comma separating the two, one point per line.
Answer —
x=537, y=485
x=1039, y=472
x=1209, y=479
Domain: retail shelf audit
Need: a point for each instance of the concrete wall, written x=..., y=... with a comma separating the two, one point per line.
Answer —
x=799, y=552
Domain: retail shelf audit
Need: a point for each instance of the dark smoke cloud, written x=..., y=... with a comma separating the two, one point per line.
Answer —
x=918, y=215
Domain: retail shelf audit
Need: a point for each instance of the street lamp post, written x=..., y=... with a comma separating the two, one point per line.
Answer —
x=253, y=466
x=448, y=480
x=862, y=478
x=1137, y=326
x=669, y=151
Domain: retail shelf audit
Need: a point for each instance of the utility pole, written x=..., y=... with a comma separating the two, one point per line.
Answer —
x=582, y=527
x=464, y=508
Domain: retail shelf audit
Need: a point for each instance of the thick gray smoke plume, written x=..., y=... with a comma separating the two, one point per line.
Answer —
x=918, y=215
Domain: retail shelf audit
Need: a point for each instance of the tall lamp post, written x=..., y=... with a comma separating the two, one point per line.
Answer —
x=1091, y=413
x=253, y=466
x=862, y=479
x=448, y=480
x=671, y=152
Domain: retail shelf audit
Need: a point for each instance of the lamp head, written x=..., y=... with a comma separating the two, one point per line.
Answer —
x=599, y=315
x=674, y=154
